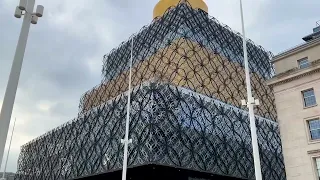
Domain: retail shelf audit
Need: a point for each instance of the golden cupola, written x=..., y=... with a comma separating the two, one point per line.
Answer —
x=163, y=5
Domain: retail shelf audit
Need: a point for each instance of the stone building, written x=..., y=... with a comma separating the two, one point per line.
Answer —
x=297, y=94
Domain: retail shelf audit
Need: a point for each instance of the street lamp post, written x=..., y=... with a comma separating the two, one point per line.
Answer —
x=25, y=8
x=126, y=141
x=250, y=103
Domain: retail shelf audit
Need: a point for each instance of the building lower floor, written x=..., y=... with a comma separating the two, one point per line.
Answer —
x=157, y=172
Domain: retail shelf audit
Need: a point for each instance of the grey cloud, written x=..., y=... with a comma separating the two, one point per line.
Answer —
x=55, y=69
x=281, y=24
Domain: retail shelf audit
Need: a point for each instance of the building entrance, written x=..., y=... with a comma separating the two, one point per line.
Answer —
x=155, y=172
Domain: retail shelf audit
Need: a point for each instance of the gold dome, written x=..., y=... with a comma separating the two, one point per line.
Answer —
x=163, y=5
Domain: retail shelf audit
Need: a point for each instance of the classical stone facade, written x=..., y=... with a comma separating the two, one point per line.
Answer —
x=301, y=149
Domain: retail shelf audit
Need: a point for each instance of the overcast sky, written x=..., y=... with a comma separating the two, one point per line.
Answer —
x=64, y=53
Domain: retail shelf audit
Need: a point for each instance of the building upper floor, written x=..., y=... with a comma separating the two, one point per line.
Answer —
x=300, y=56
x=298, y=61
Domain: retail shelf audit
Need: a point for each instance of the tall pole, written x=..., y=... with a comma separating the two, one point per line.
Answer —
x=14, y=76
x=126, y=140
x=6, y=163
x=250, y=102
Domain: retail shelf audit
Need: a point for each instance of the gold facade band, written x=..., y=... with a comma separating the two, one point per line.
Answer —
x=186, y=64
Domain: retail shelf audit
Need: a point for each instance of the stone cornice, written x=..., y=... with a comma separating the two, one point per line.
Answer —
x=296, y=49
x=314, y=151
x=294, y=74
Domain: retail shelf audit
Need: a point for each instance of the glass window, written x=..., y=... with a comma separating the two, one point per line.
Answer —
x=318, y=166
x=314, y=128
x=303, y=63
x=309, y=98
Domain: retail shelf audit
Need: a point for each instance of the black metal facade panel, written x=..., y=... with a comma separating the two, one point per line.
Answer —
x=196, y=25
x=169, y=125
x=186, y=112
x=188, y=38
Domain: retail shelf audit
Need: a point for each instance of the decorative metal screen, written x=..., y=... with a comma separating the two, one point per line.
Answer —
x=186, y=108
x=187, y=48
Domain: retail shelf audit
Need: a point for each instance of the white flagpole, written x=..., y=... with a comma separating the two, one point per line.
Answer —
x=5, y=165
x=126, y=140
x=251, y=101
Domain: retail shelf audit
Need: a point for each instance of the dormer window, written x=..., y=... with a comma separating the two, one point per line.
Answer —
x=303, y=63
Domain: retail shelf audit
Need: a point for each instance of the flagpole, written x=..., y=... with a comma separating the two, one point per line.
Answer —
x=126, y=140
x=5, y=165
x=250, y=103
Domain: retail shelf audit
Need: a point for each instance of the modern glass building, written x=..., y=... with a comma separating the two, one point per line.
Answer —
x=186, y=117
